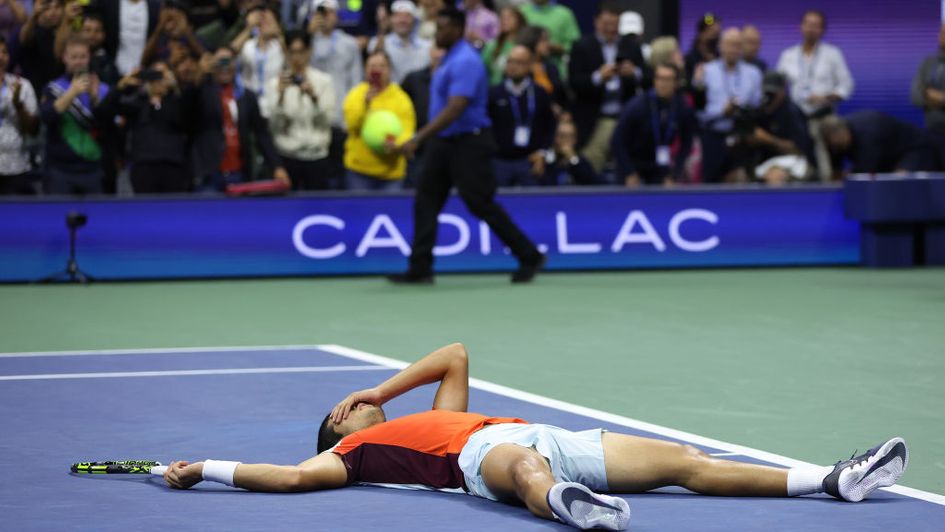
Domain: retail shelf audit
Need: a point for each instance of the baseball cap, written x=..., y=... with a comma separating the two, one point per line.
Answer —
x=327, y=4
x=631, y=23
x=404, y=6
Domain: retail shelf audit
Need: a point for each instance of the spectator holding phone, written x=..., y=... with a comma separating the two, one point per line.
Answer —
x=261, y=57
x=368, y=169
x=300, y=105
x=36, y=53
x=174, y=35
x=159, y=118
x=18, y=119
x=227, y=124
x=93, y=31
x=75, y=108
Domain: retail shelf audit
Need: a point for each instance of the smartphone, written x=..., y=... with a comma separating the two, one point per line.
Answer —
x=150, y=75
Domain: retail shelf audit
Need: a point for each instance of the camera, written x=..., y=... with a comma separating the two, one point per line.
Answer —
x=297, y=79
x=745, y=120
x=150, y=75
x=75, y=220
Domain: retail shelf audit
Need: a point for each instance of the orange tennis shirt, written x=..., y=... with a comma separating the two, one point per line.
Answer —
x=416, y=449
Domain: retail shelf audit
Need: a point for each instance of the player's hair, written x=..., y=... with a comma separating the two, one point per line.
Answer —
x=819, y=14
x=454, y=15
x=327, y=437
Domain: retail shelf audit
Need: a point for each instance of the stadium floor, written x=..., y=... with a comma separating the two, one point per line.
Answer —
x=804, y=363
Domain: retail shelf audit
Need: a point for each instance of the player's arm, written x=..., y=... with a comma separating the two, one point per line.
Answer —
x=325, y=471
x=448, y=365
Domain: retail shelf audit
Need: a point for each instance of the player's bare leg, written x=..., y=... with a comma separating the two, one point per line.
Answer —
x=635, y=465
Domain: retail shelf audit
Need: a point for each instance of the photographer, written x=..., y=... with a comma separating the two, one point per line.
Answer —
x=227, y=123
x=159, y=118
x=300, y=105
x=174, y=35
x=76, y=108
x=36, y=55
x=733, y=89
x=782, y=147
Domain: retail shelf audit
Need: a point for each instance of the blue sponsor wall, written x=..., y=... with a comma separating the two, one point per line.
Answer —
x=343, y=235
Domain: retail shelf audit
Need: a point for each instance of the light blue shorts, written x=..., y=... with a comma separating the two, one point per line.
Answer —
x=573, y=456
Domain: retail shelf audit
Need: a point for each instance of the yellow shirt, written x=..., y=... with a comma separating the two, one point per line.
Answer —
x=358, y=157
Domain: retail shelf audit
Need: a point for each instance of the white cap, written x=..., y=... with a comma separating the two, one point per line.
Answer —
x=404, y=6
x=631, y=23
x=327, y=4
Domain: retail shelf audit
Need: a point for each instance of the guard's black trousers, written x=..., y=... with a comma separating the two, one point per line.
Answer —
x=463, y=161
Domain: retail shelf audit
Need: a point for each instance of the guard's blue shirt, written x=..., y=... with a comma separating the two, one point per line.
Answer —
x=461, y=73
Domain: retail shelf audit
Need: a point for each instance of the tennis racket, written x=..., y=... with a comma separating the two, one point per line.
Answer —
x=119, y=467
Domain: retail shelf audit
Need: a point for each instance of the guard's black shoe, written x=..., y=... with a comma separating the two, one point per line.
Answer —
x=411, y=277
x=852, y=480
x=527, y=272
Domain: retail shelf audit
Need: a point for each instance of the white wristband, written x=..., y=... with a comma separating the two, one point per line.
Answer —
x=219, y=471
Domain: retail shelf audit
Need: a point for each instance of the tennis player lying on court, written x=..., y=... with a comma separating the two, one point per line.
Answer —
x=556, y=473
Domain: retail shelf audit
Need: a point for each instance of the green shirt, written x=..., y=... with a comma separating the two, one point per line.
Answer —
x=496, y=67
x=559, y=20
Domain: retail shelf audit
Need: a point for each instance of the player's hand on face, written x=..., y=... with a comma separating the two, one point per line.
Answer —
x=182, y=475
x=342, y=409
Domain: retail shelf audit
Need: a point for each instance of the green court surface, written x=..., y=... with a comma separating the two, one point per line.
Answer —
x=806, y=363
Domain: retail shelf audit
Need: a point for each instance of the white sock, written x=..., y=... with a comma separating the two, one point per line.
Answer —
x=806, y=480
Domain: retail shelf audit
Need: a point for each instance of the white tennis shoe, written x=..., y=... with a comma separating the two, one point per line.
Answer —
x=578, y=506
x=854, y=479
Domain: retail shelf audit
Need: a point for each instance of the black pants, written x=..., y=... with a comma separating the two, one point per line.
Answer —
x=466, y=162
x=309, y=175
x=160, y=178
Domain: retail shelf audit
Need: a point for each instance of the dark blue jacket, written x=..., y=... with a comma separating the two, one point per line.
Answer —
x=634, y=143
x=543, y=123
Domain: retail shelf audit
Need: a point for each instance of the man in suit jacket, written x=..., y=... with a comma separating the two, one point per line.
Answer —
x=229, y=119
x=604, y=72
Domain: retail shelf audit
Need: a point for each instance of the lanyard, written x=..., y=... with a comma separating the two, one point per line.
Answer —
x=731, y=89
x=661, y=137
x=332, y=44
x=517, y=112
x=807, y=75
x=260, y=60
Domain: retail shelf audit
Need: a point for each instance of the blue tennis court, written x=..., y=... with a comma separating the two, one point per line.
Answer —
x=264, y=405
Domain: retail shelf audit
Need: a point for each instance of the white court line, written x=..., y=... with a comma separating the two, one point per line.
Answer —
x=625, y=421
x=187, y=372
x=725, y=454
x=158, y=351
x=500, y=390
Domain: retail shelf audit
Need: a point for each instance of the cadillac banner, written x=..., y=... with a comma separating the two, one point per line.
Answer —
x=197, y=237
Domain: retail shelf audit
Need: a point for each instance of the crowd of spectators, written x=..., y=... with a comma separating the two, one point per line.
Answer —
x=181, y=96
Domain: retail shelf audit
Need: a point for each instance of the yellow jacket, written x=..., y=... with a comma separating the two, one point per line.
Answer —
x=364, y=160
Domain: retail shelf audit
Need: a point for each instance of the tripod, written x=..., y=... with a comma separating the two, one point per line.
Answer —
x=72, y=273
